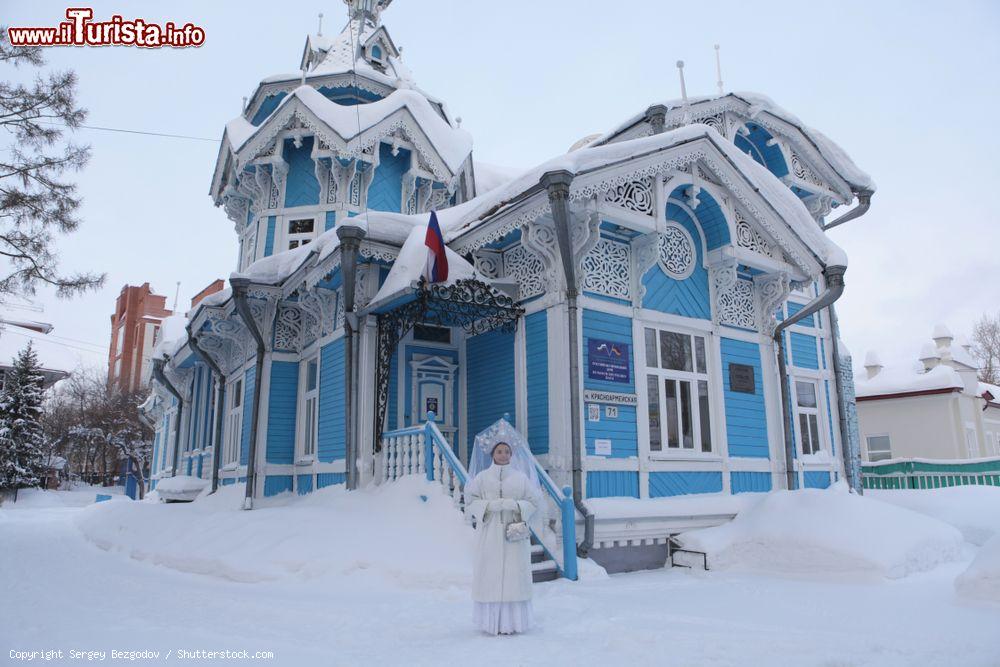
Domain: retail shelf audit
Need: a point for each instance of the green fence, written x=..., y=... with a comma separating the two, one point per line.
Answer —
x=925, y=474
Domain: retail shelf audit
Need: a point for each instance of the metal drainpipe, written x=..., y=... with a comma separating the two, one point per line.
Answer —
x=350, y=240
x=162, y=379
x=220, y=400
x=243, y=308
x=557, y=184
x=849, y=456
x=864, y=203
x=834, y=288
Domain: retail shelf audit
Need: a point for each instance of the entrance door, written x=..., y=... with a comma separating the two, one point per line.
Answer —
x=433, y=390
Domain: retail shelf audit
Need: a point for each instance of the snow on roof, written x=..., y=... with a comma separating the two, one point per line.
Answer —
x=172, y=336
x=831, y=152
x=491, y=176
x=453, y=144
x=217, y=298
x=460, y=219
x=343, y=54
x=412, y=261
x=993, y=389
x=904, y=381
x=872, y=358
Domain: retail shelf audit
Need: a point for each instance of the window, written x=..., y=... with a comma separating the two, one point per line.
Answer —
x=300, y=232
x=807, y=416
x=431, y=334
x=308, y=406
x=234, y=426
x=677, y=396
x=879, y=448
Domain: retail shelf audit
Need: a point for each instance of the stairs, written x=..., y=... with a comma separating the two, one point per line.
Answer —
x=543, y=568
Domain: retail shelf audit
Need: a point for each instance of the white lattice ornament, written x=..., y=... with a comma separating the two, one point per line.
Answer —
x=677, y=255
x=607, y=269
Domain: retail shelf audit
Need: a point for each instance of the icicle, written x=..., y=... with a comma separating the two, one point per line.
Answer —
x=718, y=69
x=684, y=94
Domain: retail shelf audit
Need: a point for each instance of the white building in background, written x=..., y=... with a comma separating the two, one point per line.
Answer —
x=934, y=409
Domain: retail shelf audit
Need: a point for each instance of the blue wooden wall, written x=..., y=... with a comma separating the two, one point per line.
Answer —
x=325, y=479
x=744, y=482
x=688, y=297
x=610, y=483
x=803, y=348
x=537, y=363
x=816, y=479
x=301, y=186
x=746, y=425
x=248, y=383
x=622, y=430
x=386, y=191
x=330, y=439
x=489, y=381
x=275, y=484
x=662, y=484
x=281, y=409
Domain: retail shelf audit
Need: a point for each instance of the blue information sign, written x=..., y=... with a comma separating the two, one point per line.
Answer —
x=608, y=360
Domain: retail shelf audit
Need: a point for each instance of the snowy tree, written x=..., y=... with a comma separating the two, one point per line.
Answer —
x=36, y=201
x=986, y=345
x=22, y=442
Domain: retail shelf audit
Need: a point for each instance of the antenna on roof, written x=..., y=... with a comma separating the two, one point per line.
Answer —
x=458, y=119
x=320, y=30
x=177, y=293
x=718, y=69
x=684, y=93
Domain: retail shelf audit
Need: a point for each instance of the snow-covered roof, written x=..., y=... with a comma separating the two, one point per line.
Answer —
x=172, y=336
x=412, y=261
x=491, y=176
x=910, y=380
x=453, y=144
x=837, y=158
x=465, y=217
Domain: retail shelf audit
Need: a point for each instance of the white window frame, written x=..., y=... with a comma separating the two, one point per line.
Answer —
x=820, y=445
x=652, y=367
x=299, y=238
x=234, y=422
x=307, y=431
x=868, y=447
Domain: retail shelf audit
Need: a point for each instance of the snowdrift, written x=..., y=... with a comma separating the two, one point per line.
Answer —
x=387, y=531
x=982, y=578
x=974, y=510
x=828, y=532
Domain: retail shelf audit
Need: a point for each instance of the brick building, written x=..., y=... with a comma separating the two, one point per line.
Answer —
x=137, y=317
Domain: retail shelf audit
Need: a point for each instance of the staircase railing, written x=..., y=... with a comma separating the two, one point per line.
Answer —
x=423, y=449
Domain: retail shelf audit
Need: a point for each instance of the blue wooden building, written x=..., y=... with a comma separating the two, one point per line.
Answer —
x=653, y=309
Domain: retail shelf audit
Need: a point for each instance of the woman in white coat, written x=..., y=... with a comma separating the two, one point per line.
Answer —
x=504, y=493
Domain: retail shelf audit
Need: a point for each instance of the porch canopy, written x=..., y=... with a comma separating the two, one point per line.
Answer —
x=466, y=299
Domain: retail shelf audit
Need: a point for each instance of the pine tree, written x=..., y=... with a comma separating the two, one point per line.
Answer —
x=22, y=441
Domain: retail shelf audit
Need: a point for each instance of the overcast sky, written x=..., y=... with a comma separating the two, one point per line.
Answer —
x=907, y=88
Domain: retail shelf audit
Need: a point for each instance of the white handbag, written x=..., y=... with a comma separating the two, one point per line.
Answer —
x=517, y=531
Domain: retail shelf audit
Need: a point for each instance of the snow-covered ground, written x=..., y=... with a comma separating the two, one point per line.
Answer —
x=361, y=578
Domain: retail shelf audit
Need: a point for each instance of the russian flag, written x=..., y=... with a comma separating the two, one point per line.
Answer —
x=437, y=261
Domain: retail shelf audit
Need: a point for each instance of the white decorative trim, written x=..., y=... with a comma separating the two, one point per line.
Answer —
x=676, y=251
x=607, y=269
x=772, y=292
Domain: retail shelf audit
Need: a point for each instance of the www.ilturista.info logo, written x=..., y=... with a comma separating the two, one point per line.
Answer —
x=80, y=30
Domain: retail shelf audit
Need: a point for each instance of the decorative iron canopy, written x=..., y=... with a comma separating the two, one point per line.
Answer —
x=471, y=304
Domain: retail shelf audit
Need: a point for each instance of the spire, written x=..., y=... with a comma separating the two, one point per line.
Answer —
x=367, y=9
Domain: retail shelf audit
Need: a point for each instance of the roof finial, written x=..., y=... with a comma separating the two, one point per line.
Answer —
x=319, y=31
x=718, y=69
x=684, y=93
